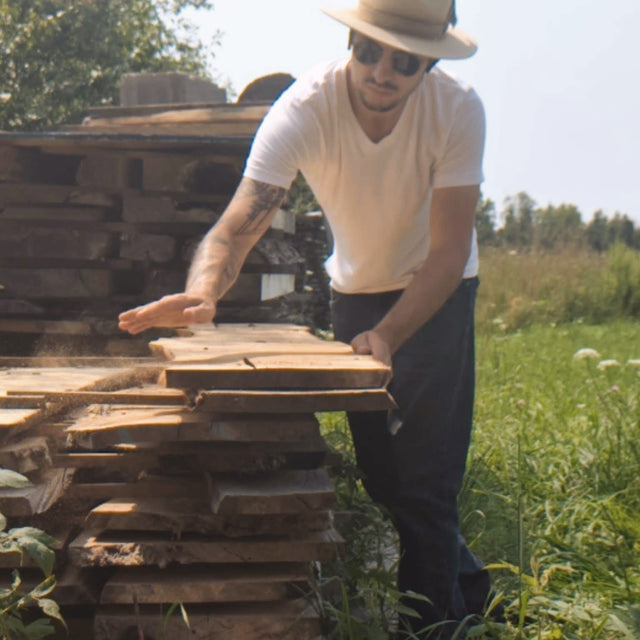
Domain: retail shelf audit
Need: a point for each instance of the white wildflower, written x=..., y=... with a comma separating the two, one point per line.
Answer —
x=607, y=364
x=586, y=354
x=633, y=362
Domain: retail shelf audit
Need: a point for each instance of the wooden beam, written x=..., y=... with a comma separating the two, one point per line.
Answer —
x=294, y=401
x=234, y=583
x=113, y=549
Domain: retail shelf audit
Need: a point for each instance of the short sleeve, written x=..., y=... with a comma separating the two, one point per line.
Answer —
x=460, y=163
x=279, y=144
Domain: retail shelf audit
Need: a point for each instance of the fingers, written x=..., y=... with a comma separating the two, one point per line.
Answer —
x=177, y=310
x=370, y=343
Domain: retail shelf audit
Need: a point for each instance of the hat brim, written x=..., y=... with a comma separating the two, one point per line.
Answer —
x=455, y=44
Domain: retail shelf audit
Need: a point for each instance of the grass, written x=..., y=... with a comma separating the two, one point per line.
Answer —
x=552, y=495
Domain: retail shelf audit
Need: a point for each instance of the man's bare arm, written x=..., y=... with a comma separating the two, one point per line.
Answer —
x=217, y=262
x=451, y=227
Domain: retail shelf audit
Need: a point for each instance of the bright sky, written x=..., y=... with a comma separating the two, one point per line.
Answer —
x=560, y=80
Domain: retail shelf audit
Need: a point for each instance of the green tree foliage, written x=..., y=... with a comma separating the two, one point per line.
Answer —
x=558, y=226
x=529, y=227
x=59, y=57
x=485, y=221
x=518, y=216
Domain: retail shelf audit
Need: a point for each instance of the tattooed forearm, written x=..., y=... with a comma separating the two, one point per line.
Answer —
x=264, y=198
x=213, y=264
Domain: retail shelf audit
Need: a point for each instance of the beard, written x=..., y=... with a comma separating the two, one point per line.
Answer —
x=380, y=107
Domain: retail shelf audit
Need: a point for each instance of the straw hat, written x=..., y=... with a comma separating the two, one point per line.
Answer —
x=423, y=27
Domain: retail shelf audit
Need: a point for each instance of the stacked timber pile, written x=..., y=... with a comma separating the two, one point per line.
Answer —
x=192, y=478
x=100, y=217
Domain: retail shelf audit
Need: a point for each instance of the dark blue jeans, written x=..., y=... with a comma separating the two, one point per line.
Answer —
x=416, y=470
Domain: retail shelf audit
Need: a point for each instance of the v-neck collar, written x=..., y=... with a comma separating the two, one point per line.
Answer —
x=353, y=121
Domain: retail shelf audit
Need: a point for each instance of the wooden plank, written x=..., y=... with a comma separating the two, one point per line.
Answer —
x=281, y=372
x=20, y=239
x=282, y=492
x=100, y=427
x=221, y=458
x=65, y=327
x=61, y=213
x=231, y=583
x=19, y=417
x=229, y=113
x=232, y=341
x=271, y=621
x=110, y=362
x=142, y=396
x=295, y=401
x=33, y=194
x=21, y=503
x=184, y=515
x=36, y=284
x=131, y=549
x=150, y=486
x=222, y=129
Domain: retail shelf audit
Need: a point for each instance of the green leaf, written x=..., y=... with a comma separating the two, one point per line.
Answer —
x=39, y=553
x=13, y=480
x=34, y=533
x=38, y=629
x=51, y=608
x=45, y=587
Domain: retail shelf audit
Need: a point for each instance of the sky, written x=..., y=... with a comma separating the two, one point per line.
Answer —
x=560, y=81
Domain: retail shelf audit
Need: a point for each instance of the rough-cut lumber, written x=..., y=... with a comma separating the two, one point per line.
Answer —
x=143, y=396
x=32, y=194
x=282, y=492
x=37, y=499
x=134, y=549
x=186, y=515
x=60, y=213
x=221, y=458
x=229, y=342
x=25, y=240
x=281, y=372
x=38, y=283
x=41, y=381
x=214, y=114
x=150, y=486
x=295, y=401
x=235, y=583
x=270, y=621
x=99, y=427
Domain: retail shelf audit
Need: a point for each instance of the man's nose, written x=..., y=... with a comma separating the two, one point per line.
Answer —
x=383, y=69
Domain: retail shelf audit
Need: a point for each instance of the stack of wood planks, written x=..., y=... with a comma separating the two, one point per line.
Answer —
x=104, y=216
x=195, y=477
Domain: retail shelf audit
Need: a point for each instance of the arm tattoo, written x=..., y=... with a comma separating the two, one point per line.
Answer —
x=265, y=197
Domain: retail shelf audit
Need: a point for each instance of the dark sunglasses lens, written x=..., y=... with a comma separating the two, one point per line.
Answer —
x=367, y=51
x=405, y=64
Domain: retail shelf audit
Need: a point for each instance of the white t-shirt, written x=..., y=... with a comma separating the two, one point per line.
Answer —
x=375, y=196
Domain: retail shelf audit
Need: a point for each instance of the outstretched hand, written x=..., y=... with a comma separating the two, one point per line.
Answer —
x=176, y=310
x=371, y=343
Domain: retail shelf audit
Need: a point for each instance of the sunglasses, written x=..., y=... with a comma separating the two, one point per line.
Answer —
x=369, y=52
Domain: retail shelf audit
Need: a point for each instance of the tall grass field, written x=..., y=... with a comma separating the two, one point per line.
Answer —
x=551, y=500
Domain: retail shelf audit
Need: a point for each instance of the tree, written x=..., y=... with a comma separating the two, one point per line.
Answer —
x=485, y=221
x=597, y=232
x=59, y=57
x=558, y=226
x=518, y=215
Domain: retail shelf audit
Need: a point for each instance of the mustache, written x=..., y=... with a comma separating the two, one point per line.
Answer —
x=385, y=85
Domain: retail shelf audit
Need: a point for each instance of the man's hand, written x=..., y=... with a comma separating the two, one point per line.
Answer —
x=371, y=343
x=177, y=310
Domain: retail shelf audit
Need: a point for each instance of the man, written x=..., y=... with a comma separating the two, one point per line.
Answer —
x=392, y=148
